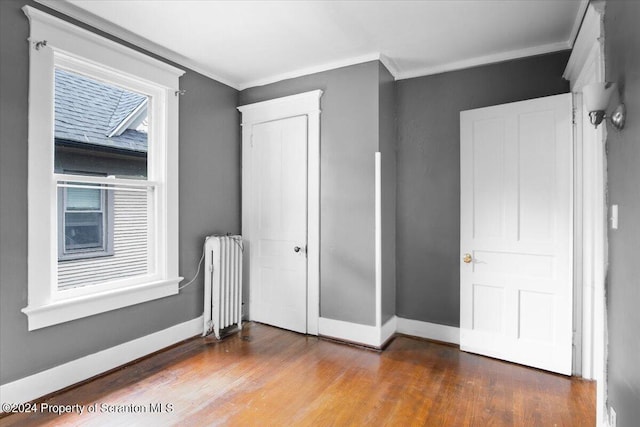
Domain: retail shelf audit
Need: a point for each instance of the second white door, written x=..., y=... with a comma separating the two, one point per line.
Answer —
x=516, y=232
x=279, y=200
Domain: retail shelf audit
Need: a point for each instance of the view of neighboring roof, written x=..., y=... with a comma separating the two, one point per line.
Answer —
x=91, y=112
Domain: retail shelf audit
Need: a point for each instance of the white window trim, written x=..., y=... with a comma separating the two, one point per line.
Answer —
x=66, y=43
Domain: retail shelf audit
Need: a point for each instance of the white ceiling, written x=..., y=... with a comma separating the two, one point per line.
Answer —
x=250, y=43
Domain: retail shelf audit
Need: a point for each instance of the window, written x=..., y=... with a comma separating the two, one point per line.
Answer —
x=103, y=174
x=84, y=226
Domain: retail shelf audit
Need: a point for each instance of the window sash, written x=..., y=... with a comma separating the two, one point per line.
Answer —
x=73, y=217
x=154, y=217
x=104, y=245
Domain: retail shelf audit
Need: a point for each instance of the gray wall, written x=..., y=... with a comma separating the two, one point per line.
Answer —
x=388, y=149
x=209, y=202
x=622, y=45
x=428, y=200
x=348, y=141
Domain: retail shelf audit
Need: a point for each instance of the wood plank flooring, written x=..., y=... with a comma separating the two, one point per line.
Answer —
x=265, y=376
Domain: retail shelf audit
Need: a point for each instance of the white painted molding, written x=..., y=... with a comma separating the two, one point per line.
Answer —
x=587, y=65
x=347, y=331
x=390, y=65
x=54, y=379
x=397, y=74
x=53, y=313
x=319, y=69
x=378, y=236
x=484, y=60
x=101, y=24
x=78, y=42
x=577, y=23
x=281, y=108
x=591, y=31
x=313, y=221
x=432, y=331
x=368, y=335
x=388, y=330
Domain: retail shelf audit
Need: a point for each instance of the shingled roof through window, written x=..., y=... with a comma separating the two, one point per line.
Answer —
x=88, y=111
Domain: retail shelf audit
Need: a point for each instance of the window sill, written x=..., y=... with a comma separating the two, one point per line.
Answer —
x=62, y=311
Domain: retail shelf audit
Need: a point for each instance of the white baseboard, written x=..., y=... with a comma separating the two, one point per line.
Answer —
x=368, y=335
x=388, y=329
x=347, y=331
x=432, y=331
x=54, y=379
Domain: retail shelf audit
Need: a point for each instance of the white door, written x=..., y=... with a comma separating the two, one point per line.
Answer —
x=279, y=223
x=516, y=228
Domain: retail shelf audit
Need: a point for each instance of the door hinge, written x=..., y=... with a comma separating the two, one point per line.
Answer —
x=573, y=116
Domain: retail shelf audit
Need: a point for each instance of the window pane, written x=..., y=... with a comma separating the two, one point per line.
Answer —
x=83, y=199
x=100, y=128
x=128, y=214
x=83, y=231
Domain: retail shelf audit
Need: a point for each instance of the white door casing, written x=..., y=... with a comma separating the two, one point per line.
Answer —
x=267, y=212
x=517, y=225
x=586, y=65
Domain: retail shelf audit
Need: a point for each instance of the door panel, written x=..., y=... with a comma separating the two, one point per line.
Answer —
x=516, y=223
x=279, y=174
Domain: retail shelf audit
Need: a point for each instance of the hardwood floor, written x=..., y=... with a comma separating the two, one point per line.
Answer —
x=269, y=377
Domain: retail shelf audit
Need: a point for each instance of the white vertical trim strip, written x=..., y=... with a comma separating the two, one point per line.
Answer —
x=378, y=238
x=247, y=208
x=313, y=221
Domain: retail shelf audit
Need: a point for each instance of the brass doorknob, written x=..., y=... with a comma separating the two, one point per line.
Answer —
x=467, y=258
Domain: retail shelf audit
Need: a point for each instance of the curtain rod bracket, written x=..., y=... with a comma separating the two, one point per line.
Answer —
x=40, y=44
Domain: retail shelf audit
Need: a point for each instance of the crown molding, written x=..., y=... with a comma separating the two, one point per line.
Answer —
x=396, y=71
x=320, y=68
x=485, y=60
x=577, y=23
x=123, y=34
x=591, y=31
